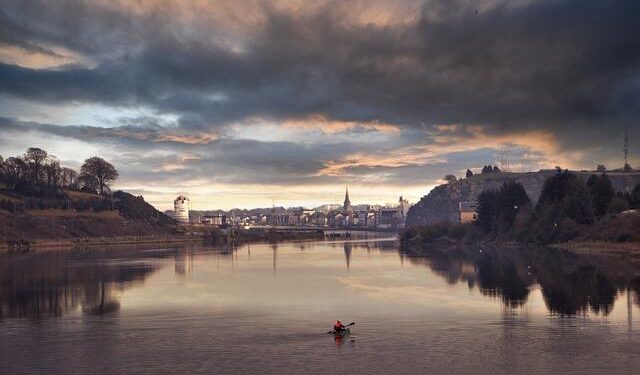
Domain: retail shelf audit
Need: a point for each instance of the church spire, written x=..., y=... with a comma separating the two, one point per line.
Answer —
x=347, y=202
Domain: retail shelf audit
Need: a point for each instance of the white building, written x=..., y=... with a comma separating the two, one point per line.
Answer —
x=468, y=212
x=181, y=209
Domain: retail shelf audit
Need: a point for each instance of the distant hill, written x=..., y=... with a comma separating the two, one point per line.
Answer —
x=132, y=207
x=442, y=203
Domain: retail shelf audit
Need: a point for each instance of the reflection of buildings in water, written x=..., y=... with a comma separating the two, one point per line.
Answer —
x=348, y=248
x=43, y=285
x=228, y=252
x=274, y=249
x=569, y=284
x=629, y=310
x=386, y=246
x=183, y=263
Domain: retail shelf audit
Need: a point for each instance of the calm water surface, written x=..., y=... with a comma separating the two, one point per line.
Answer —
x=264, y=309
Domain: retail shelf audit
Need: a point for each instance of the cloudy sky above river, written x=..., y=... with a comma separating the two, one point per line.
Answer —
x=241, y=103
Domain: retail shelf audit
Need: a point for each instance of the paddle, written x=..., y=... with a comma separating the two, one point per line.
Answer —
x=348, y=325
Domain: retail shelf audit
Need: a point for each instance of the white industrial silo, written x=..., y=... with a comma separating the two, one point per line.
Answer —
x=181, y=209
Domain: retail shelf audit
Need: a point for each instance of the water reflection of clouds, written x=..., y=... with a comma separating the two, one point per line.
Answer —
x=397, y=292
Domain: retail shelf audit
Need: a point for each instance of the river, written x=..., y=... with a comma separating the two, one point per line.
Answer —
x=265, y=309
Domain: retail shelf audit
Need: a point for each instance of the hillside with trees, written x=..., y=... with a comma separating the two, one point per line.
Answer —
x=442, y=202
x=570, y=207
x=41, y=199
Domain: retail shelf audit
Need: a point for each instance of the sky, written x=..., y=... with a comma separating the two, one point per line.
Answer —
x=249, y=103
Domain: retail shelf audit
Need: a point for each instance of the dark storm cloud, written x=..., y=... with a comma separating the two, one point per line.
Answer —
x=136, y=132
x=15, y=34
x=240, y=162
x=80, y=25
x=112, y=87
x=550, y=64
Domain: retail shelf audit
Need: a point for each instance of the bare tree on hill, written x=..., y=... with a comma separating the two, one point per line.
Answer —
x=98, y=173
x=35, y=158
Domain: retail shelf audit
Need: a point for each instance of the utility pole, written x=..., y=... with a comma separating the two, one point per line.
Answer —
x=626, y=148
x=273, y=213
x=503, y=159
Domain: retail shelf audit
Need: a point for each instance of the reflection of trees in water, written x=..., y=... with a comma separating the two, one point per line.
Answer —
x=503, y=278
x=494, y=276
x=183, y=264
x=45, y=285
x=578, y=290
x=570, y=284
x=103, y=304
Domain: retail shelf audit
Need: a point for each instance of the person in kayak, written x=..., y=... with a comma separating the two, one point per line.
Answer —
x=338, y=327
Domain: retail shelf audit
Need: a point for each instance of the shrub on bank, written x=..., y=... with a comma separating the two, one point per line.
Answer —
x=443, y=232
x=618, y=228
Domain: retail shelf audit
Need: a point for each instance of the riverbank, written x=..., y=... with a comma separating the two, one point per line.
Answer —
x=592, y=240
x=189, y=236
x=184, y=235
x=626, y=249
x=71, y=243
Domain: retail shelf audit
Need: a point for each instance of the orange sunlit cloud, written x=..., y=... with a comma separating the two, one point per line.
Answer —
x=328, y=126
x=39, y=59
x=446, y=140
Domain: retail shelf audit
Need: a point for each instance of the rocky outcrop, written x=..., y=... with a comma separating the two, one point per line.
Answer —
x=442, y=203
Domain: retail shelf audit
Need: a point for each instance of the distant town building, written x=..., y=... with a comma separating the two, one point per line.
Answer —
x=387, y=218
x=392, y=216
x=181, y=209
x=468, y=212
x=403, y=208
x=216, y=220
x=328, y=207
x=361, y=218
x=345, y=215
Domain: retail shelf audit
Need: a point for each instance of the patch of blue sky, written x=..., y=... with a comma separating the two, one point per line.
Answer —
x=86, y=114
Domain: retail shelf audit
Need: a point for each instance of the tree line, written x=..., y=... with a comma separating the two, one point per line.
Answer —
x=566, y=204
x=38, y=173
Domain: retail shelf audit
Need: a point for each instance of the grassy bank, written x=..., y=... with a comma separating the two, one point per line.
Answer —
x=33, y=225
